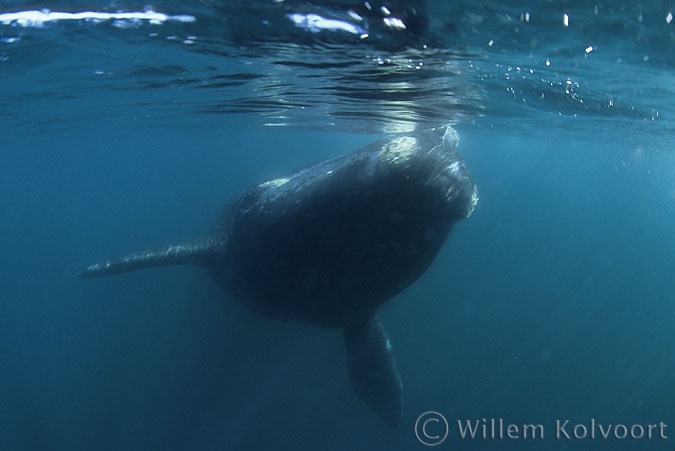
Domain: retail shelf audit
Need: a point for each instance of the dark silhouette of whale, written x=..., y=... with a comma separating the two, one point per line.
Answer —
x=331, y=243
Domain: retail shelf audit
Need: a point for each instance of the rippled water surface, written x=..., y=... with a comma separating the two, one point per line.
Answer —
x=341, y=66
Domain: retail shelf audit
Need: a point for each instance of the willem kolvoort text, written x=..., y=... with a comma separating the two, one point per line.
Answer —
x=494, y=429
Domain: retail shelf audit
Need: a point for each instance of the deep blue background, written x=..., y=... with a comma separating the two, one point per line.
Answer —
x=553, y=301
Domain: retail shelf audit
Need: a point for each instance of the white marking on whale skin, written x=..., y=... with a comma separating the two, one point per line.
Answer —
x=473, y=202
x=454, y=168
x=451, y=137
x=274, y=183
x=271, y=194
x=398, y=151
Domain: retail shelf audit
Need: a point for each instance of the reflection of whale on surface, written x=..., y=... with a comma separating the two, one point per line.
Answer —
x=331, y=243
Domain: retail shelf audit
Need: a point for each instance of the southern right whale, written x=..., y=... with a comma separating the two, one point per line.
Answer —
x=331, y=243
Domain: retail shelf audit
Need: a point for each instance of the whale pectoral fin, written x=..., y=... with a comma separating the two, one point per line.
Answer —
x=198, y=252
x=372, y=369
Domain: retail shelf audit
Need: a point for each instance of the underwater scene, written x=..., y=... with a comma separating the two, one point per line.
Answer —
x=330, y=225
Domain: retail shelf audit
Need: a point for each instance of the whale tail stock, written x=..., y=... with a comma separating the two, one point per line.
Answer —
x=198, y=252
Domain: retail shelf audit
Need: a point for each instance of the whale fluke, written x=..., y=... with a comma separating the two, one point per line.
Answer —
x=197, y=252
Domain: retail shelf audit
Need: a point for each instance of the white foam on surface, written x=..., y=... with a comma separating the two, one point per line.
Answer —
x=316, y=23
x=39, y=18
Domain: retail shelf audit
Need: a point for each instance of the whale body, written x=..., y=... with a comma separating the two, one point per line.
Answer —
x=329, y=244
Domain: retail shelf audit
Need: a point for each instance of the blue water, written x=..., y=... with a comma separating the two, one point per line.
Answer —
x=554, y=301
